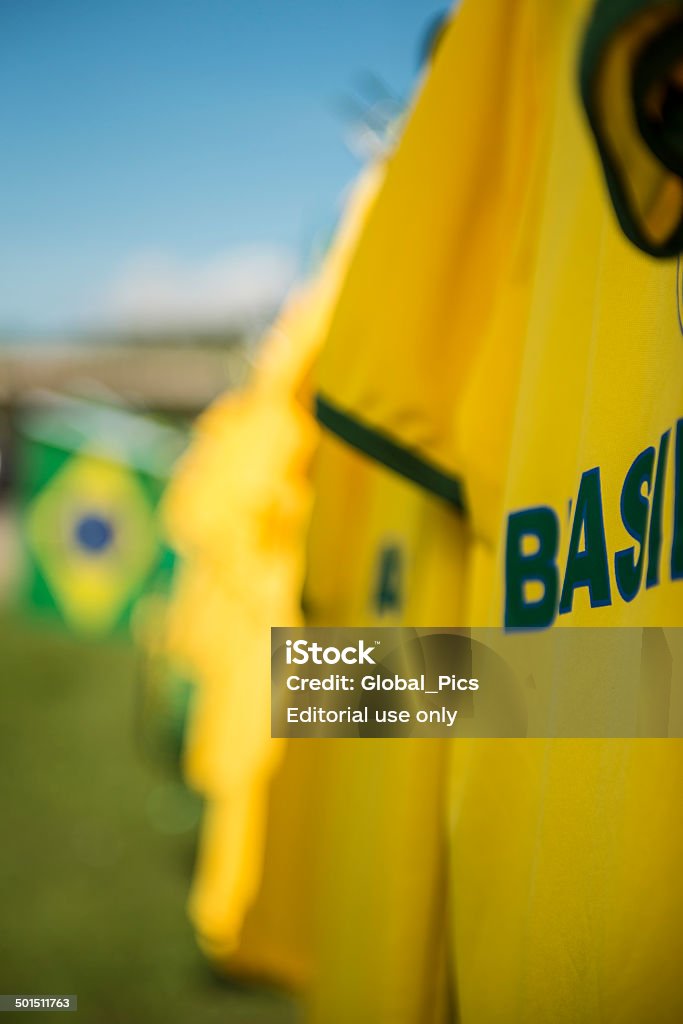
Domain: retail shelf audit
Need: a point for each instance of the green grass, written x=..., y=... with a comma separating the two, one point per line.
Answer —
x=96, y=846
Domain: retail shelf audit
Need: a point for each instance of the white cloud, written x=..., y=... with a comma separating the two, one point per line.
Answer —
x=236, y=288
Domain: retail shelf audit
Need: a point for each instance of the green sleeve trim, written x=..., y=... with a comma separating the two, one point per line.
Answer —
x=608, y=17
x=381, y=448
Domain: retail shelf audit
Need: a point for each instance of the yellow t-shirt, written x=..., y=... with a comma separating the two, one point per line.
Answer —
x=558, y=424
x=381, y=551
x=237, y=512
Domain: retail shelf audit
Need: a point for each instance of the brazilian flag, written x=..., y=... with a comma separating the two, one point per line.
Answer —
x=91, y=478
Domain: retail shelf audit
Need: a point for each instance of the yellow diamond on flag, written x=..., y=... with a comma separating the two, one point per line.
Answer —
x=93, y=534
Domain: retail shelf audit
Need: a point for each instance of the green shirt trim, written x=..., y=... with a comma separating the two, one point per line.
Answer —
x=383, y=449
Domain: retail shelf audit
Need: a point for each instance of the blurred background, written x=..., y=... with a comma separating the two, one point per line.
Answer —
x=170, y=170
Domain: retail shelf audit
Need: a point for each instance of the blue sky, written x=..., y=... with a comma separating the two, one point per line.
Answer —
x=186, y=132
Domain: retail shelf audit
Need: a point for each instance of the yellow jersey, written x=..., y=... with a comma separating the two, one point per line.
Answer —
x=237, y=512
x=381, y=551
x=531, y=375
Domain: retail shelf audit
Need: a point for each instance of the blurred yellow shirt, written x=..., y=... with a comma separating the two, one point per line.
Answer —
x=381, y=551
x=237, y=512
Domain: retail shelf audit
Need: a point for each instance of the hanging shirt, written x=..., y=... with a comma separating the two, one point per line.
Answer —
x=532, y=376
